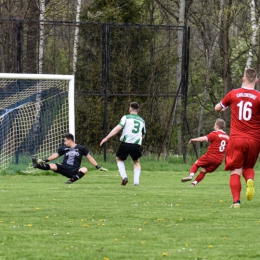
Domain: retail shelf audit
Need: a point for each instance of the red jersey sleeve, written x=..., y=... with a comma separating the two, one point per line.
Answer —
x=226, y=101
x=211, y=136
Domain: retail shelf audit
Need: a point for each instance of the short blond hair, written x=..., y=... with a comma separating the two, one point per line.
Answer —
x=220, y=123
x=250, y=75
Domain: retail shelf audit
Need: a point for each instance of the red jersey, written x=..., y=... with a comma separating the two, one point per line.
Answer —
x=218, y=143
x=245, y=112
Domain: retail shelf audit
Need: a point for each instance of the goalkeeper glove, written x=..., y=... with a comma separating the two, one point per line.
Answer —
x=100, y=168
x=40, y=161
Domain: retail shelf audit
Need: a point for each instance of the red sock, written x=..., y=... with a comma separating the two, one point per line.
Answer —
x=248, y=174
x=235, y=186
x=200, y=177
x=194, y=168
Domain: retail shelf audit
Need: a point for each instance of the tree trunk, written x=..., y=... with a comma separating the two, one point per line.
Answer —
x=209, y=59
x=224, y=52
x=254, y=27
x=224, y=47
x=178, y=81
x=41, y=42
x=31, y=37
x=76, y=37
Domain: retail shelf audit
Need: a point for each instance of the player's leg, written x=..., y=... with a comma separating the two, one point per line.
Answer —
x=210, y=167
x=122, y=171
x=43, y=166
x=234, y=163
x=194, y=168
x=249, y=175
x=235, y=187
x=121, y=155
x=137, y=172
x=77, y=175
x=66, y=171
x=200, y=177
x=251, y=157
x=245, y=154
x=136, y=153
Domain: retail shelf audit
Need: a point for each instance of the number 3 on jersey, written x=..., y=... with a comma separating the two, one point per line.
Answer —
x=222, y=146
x=136, y=127
x=245, y=111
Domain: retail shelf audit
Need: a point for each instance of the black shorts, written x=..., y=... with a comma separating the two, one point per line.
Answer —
x=125, y=149
x=66, y=170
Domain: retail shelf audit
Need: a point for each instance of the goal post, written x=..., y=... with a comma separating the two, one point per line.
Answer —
x=35, y=111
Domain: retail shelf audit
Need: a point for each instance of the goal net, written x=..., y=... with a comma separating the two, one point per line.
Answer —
x=35, y=111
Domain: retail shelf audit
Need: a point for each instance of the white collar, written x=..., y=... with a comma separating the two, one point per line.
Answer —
x=246, y=87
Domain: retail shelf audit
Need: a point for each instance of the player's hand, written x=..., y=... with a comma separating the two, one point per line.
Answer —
x=103, y=141
x=40, y=161
x=102, y=169
x=223, y=109
x=192, y=141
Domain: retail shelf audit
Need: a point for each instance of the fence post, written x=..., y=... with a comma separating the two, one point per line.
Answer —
x=186, y=48
x=19, y=55
x=106, y=83
x=19, y=44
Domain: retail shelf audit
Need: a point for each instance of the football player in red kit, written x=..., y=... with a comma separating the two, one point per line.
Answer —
x=244, y=144
x=212, y=159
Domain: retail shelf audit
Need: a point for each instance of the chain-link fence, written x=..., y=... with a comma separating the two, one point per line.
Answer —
x=114, y=65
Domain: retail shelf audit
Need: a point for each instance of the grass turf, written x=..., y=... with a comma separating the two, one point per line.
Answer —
x=96, y=218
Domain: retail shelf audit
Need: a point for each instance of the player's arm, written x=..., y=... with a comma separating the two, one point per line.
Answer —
x=53, y=157
x=224, y=103
x=198, y=139
x=143, y=132
x=50, y=158
x=220, y=108
x=113, y=132
x=94, y=163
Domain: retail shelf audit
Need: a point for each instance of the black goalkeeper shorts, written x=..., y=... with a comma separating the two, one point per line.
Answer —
x=66, y=170
x=125, y=149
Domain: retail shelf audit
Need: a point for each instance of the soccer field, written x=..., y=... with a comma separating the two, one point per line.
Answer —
x=97, y=218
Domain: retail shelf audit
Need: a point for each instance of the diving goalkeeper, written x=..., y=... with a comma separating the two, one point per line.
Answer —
x=70, y=166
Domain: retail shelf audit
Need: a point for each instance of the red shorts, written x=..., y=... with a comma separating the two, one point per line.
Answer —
x=208, y=163
x=241, y=153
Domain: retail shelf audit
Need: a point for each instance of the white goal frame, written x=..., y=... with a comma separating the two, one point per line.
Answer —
x=70, y=78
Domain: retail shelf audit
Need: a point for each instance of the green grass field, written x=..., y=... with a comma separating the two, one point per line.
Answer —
x=97, y=218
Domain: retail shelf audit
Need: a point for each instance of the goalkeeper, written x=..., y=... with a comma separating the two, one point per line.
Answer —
x=70, y=166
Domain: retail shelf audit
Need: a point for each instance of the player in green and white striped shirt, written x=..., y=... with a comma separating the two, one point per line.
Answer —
x=131, y=139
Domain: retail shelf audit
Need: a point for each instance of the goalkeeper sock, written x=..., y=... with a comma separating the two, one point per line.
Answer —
x=77, y=176
x=43, y=166
x=194, y=168
x=137, y=172
x=200, y=177
x=235, y=186
x=121, y=169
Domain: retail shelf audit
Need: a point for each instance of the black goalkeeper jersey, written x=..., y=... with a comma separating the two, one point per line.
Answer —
x=73, y=155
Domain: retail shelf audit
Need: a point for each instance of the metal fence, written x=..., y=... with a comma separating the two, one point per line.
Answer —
x=116, y=64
